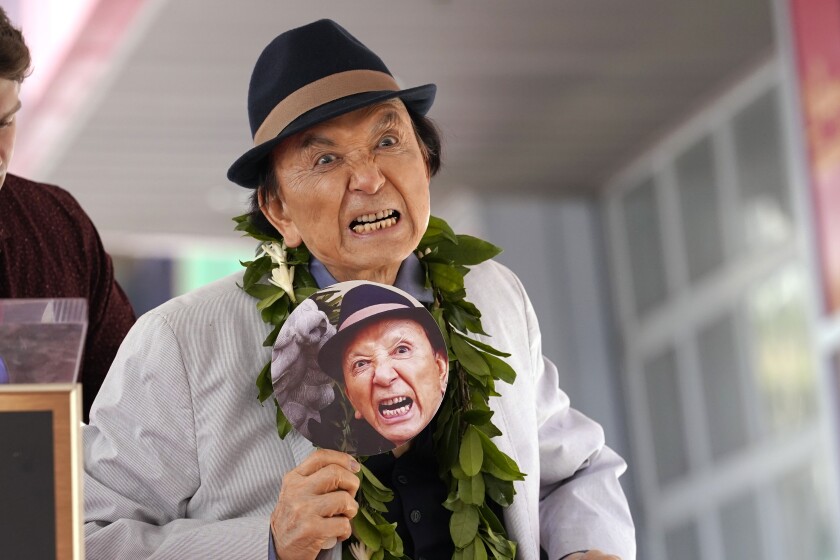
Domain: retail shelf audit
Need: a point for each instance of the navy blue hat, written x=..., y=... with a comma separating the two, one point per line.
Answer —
x=309, y=75
x=367, y=303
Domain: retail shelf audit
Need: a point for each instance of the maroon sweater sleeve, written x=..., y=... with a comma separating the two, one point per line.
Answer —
x=50, y=248
x=110, y=316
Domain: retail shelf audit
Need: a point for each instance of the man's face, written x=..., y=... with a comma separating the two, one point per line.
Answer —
x=355, y=190
x=9, y=106
x=393, y=378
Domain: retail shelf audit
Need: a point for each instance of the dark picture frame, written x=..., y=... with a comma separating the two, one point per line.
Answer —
x=41, y=513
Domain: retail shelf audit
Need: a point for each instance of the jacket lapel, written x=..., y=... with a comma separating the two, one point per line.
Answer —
x=518, y=524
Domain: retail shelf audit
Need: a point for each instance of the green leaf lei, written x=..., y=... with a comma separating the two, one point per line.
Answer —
x=471, y=466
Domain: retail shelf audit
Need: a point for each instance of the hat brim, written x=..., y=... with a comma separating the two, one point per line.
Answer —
x=332, y=352
x=245, y=171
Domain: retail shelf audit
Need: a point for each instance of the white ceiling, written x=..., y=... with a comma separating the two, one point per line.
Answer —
x=544, y=96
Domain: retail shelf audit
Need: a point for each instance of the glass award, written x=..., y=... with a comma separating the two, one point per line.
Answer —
x=41, y=340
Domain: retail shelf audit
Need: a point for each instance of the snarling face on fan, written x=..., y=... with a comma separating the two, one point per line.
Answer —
x=394, y=378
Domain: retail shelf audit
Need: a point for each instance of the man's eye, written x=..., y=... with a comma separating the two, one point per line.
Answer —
x=403, y=349
x=359, y=364
x=325, y=160
x=387, y=142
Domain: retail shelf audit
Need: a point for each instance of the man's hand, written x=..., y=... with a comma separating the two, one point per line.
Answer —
x=591, y=555
x=316, y=505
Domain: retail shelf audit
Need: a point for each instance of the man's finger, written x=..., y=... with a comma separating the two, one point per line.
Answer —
x=336, y=527
x=335, y=504
x=320, y=458
x=332, y=477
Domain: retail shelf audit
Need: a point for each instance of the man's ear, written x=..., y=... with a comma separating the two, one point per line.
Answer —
x=427, y=164
x=276, y=214
x=356, y=414
x=442, y=362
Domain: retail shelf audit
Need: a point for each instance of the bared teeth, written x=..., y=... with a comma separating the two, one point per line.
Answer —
x=388, y=413
x=374, y=216
x=374, y=221
x=403, y=405
x=373, y=226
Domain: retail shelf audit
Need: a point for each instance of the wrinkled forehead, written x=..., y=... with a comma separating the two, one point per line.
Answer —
x=367, y=120
x=385, y=332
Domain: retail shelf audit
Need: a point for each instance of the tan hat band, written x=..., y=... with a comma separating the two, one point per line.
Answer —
x=319, y=92
x=370, y=311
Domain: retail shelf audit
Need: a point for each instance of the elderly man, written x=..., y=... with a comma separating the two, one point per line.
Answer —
x=180, y=460
x=48, y=245
x=391, y=359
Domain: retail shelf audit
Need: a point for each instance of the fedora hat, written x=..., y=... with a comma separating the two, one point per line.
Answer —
x=309, y=75
x=369, y=303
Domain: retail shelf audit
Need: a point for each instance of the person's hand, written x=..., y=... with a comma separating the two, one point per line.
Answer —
x=591, y=555
x=315, y=505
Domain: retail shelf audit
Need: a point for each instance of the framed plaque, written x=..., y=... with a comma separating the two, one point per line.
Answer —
x=41, y=510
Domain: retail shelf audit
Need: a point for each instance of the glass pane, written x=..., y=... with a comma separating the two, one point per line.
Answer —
x=784, y=369
x=699, y=208
x=761, y=173
x=682, y=542
x=644, y=240
x=805, y=519
x=740, y=529
x=718, y=356
x=666, y=422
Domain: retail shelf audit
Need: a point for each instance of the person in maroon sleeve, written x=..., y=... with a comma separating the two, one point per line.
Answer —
x=48, y=245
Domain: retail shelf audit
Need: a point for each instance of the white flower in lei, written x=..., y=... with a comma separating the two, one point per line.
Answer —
x=360, y=551
x=283, y=275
